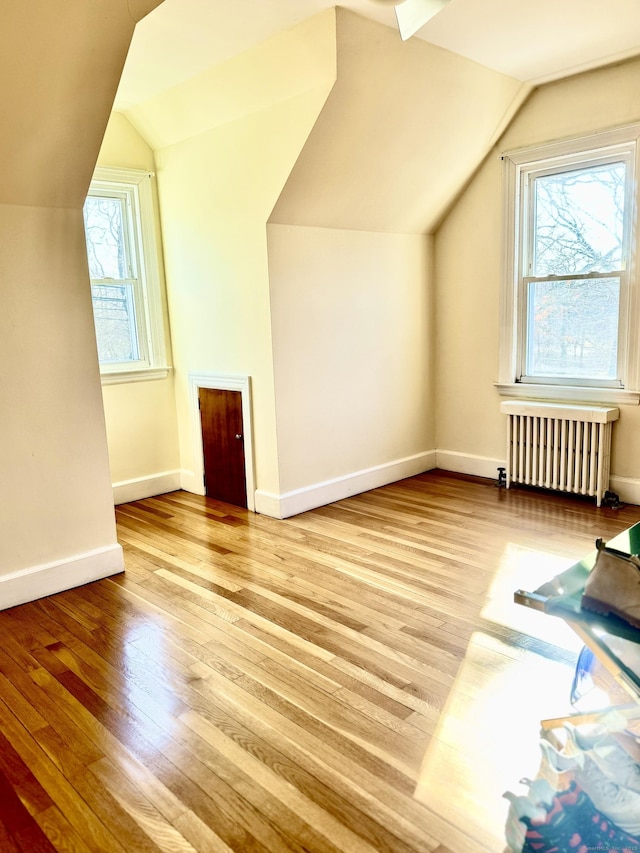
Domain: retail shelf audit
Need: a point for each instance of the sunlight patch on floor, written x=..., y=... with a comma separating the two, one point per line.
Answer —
x=527, y=569
x=487, y=738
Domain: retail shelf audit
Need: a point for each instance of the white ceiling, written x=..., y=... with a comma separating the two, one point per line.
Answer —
x=532, y=40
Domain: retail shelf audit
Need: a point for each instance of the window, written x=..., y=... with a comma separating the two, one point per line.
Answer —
x=569, y=302
x=123, y=268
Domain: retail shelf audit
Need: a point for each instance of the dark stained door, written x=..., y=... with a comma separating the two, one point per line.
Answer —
x=223, y=445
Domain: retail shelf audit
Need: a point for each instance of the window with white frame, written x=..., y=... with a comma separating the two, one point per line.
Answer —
x=570, y=306
x=123, y=268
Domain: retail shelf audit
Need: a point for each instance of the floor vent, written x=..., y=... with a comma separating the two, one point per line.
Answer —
x=557, y=446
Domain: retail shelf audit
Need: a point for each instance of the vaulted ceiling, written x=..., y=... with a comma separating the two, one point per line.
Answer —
x=406, y=124
x=59, y=68
x=530, y=41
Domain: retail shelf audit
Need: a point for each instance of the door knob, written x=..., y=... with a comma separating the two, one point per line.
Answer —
x=238, y=435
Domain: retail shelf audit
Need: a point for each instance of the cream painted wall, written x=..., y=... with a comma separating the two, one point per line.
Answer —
x=142, y=431
x=402, y=132
x=381, y=151
x=217, y=187
x=217, y=191
x=56, y=495
x=123, y=147
x=59, y=68
x=352, y=339
x=468, y=256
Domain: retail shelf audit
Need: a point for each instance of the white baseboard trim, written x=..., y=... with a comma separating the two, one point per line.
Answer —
x=146, y=487
x=268, y=503
x=49, y=578
x=467, y=463
x=320, y=494
x=191, y=482
x=627, y=489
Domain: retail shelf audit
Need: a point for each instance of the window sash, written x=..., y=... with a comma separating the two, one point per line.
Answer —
x=527, y=328
x=133, y=189
x=134, y=299
x=130, y=213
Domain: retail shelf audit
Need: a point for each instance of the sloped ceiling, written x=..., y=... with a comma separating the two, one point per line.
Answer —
x=532, y=40
x=408, y=123
x=60, y=64
x=288, y=64
x=404, y=127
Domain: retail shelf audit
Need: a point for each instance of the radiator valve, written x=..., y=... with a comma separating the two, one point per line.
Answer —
x=611, y=500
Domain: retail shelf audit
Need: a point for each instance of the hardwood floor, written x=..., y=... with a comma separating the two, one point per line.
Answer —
x=353, y=679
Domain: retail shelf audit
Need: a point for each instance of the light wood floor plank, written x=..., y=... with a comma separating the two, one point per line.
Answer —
x=353, y=679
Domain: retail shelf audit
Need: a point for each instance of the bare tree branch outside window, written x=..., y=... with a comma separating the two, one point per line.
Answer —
x=578, y=229
x=112, y=279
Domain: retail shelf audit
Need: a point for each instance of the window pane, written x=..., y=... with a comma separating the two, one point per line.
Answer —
x=578, y=221
x=114, y=315
x=106, y=244
x=573, y=329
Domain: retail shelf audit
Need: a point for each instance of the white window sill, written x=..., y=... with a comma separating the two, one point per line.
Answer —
x=141, y=374
x=568, y=394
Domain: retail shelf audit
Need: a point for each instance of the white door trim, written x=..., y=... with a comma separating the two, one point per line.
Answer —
x=223, y=382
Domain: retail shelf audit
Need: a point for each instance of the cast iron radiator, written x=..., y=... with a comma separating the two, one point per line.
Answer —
x=558, y=446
